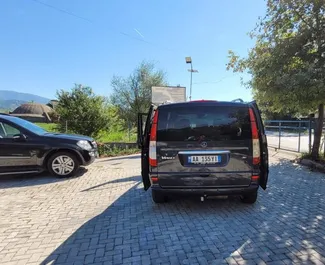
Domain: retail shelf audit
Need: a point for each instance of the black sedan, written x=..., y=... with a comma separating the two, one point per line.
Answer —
x=27, y=148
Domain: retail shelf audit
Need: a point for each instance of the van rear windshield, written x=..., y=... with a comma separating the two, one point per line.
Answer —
x=209, y=123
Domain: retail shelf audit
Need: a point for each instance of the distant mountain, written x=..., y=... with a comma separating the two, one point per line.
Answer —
x=10, y=104
x=13, y=95
x=9, y=100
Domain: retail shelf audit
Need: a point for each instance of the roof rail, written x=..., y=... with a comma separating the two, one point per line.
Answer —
x=2, y=113
x=163, y=103
x=203, y=100
x=238, y=100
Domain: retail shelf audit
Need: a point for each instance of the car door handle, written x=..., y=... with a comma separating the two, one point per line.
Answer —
x=33, y=152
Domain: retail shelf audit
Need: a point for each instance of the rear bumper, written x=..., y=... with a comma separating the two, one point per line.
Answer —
x=208, y=191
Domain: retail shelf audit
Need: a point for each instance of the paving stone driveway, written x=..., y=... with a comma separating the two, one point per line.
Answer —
x=105, y=217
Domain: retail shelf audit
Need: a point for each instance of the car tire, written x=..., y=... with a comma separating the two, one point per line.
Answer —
x=249, y=198
x=158, y=197
x=63, y=164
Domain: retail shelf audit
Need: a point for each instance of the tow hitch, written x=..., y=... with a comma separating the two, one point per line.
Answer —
x=204, y=197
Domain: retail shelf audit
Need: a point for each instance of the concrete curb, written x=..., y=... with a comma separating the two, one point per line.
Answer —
x=294, y=157
x=116, y=157
x=281, y=151
x=280, y=154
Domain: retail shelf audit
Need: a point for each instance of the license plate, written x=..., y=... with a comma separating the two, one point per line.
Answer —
x=204, y=159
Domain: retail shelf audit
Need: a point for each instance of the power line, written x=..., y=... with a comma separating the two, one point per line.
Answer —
x=92, y=22
x=62, y=10
x=216, y=82
x=117, y=32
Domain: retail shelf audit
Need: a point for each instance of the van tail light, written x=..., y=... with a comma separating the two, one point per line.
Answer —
x=154, y=179
x=153, y=141
x=255, y=139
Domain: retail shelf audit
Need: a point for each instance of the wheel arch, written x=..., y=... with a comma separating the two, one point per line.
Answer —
x=67, y=150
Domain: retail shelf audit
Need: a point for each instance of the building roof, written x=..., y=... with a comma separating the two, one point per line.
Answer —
x=32, y=109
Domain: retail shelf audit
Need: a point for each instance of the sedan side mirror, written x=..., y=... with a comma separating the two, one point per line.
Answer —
x=19, y=137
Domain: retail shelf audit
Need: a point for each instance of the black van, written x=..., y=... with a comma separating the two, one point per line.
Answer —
x=204, y=148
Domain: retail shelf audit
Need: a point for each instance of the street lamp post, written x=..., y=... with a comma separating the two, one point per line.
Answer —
x=189, y=60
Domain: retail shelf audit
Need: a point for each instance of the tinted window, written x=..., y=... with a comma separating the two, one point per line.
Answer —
x=7, y=131
x=209, y=123
x=27, y=125
x=2, y=131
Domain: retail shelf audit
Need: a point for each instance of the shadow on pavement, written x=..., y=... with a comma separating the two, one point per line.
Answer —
x=25, y=180
x=286, y=224
x=109, y=182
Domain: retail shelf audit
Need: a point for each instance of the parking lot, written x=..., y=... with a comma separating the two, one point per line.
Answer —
x=103, y=216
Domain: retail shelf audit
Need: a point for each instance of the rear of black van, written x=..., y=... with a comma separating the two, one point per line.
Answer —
x=206, y=148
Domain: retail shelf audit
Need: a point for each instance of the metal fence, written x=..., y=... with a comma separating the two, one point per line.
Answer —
x=292, y=135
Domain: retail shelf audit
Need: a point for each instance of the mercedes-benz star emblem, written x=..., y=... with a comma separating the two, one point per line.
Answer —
x=204, y=144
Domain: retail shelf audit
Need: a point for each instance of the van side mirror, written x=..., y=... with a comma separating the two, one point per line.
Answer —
x=19, y=137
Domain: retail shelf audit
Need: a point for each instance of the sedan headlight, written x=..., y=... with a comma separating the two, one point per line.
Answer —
x=94, y=144
x=84, y=145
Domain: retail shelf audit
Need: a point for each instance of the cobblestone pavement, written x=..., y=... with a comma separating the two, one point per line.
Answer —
x=105, y=217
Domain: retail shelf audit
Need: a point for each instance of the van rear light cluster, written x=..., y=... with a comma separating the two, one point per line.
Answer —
x=255, y=139
x=154, y=179
x=153, y=141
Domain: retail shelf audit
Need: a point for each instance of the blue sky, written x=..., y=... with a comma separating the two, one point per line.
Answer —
x=43, y=50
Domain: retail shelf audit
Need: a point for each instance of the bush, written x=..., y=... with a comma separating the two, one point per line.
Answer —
x=82, y=111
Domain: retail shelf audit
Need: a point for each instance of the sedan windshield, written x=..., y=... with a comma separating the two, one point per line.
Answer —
x=27, y=125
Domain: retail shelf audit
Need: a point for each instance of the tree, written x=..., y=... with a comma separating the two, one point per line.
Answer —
x=82, y=111
x=270, y=112
x=116, y=124
x=133, y=94
x=287, y=64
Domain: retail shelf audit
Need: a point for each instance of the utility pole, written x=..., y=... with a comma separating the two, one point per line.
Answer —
x=189, y=60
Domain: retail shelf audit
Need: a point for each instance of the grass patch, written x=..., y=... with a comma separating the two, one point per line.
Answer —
x=50, y=127
x=117, y=137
